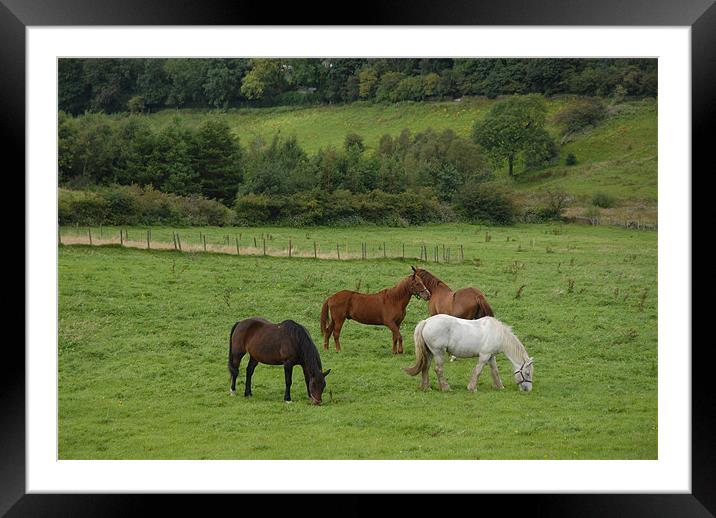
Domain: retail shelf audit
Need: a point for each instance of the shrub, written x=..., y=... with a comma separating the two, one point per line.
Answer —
x=580, y=114
x=487, y=203
x=85, y=210
x=603, y=200
x=556, y=202
x=132, y=205
x=571, y=159
x=339, y=208
x=122, y=205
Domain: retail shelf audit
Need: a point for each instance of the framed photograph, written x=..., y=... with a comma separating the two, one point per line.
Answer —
x=187, y=169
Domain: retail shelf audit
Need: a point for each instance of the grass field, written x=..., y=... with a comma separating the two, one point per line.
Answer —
x=143, y=344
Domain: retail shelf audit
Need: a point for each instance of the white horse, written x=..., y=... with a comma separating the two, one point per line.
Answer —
x=485, y=337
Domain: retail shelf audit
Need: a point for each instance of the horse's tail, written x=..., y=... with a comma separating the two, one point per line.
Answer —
x=483, y=308
x=422, y=355
x=234, y=371
x=324, y=318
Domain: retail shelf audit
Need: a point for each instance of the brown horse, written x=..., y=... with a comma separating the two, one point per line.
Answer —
x=467, y=303
x=287, y=344
x=387, y=308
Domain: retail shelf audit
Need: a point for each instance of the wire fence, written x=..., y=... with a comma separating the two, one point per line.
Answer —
x=262, y=245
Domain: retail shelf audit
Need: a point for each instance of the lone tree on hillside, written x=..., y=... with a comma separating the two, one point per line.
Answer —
x=512, y=127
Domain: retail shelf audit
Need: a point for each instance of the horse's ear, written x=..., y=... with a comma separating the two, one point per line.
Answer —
x=326, y=373
x=413, y=267
x=530, y=360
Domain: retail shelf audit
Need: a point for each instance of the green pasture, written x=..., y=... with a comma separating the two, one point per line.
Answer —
x=143, y=345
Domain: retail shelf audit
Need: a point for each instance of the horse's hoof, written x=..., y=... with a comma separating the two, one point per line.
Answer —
x=232, y=392
x=287, y=401
x=471, y=389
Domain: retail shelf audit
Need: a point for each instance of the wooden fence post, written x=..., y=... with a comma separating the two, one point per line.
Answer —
x=89, y=233
x=315, y=255
x=121, y=239
x=237, y=247
x=204, y=237
x=289, y=247
x=174, y=239
x=384, y=256
x=403, y=251
x=264, y=242
x=179, y=242
x=148, y=246
x=338, y=250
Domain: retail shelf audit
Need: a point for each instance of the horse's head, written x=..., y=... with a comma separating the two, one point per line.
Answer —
x=523, y=375
x=316, y=385
x=417, y=288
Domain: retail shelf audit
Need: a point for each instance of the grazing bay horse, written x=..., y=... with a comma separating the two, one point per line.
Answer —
x=440, y=335
x=467, y=303
x=287, y=344
x=387, y=308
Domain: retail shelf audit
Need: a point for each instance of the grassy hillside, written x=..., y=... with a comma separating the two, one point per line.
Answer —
x=619, y=157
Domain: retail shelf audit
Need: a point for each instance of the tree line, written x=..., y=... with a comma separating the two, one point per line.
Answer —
x=148, y=84
x=408, y=178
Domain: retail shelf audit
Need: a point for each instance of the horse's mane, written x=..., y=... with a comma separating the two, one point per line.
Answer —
x=429, y=279
x=399, y=289
x=309, y=352
x=512, y=342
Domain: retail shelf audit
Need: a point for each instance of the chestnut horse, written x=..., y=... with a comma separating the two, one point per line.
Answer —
x=468, y=303
x=287, y=344
x=387, y=307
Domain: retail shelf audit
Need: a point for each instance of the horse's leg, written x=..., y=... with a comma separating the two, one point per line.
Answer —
x=396, y=336
x=329, y=332
x=439, y=361
x=234, y=370
x=426, y=371
x=496, y=381
x=308, y=386
x=250, y=372
x=476, y=372
x=288, y=375
x=337, y=325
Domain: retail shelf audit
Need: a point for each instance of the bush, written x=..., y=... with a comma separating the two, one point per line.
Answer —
x=340, y=208
x=132, y=205
x=580, y=114
x=571, y=159
x=85, y=210
x=122, y=206
x=556, y=202
x=486, y=203
x=603, y=200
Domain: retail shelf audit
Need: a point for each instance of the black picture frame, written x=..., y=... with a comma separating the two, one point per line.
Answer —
x=700, y=15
